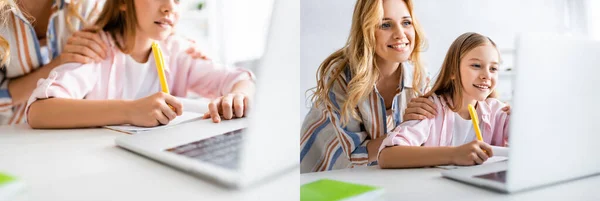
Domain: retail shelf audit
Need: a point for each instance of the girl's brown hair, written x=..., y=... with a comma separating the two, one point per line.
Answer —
x=448, y=83
x=118, y=18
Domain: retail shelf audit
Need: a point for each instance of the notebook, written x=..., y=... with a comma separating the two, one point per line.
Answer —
x=330, y=190
x=500, y=154
x=9, y=186
x=185, y=117
x=193, y=109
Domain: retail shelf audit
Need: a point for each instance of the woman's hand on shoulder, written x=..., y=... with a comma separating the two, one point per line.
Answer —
x=195, y=52
x=506, y=109
x=84, y=46
x=419, y=108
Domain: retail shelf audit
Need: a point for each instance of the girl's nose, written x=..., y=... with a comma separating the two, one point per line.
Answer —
x=168, y=7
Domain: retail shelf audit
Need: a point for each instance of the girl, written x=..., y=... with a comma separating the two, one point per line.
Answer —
x=468, y=76
x=124, y=88
x=363, y=88
x=41, y=35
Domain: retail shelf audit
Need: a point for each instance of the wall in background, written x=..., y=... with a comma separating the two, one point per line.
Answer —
x=325, y=26
x=230, y=31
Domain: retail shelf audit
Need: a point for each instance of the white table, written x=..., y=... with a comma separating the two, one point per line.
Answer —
x=85, y=164
x=425, y=184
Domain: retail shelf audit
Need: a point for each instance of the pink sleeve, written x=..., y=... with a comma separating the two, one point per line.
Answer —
x=501, y=129
x=213, y=80
x=203, y=77
x=409, y=133
x=415, y=132
x=72, y=80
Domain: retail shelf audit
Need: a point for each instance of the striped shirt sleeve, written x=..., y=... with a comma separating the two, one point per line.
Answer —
x=352, y=137
x=325, y=144
x=5, y=99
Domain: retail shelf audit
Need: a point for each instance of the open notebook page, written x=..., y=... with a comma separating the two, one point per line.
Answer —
x=500, y=154
x=185, y=117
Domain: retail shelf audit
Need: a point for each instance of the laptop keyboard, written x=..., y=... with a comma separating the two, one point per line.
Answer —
x=222, y=150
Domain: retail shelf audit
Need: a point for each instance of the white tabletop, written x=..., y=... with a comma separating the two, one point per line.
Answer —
x=428, y=184
x=85, y=164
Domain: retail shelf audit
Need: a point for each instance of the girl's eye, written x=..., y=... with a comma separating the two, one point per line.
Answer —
x=494, y=69
x=476, y=65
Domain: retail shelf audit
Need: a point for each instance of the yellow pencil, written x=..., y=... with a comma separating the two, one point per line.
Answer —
x=160, y=67
x=160, y=63
x=475, y=121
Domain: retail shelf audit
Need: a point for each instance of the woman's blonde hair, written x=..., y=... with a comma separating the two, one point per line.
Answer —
x=359, y=56
x=119, y=23
x=73, y=13
x=448, y=84
x=5, y=7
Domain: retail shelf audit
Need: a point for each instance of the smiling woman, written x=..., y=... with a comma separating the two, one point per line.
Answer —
x=363, y=88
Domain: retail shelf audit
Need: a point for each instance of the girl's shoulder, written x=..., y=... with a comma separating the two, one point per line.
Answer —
x=440, y=101
x=175, y=44
x=110, y=42
x=492, y=106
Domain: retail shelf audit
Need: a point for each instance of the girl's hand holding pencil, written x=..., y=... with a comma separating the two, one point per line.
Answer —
x=153, y=110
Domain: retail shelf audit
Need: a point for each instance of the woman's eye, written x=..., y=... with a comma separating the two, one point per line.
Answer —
x=406, y=23
x=386, y=25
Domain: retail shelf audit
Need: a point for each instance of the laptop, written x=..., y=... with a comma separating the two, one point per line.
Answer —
x=554, y=125
x=241, y=152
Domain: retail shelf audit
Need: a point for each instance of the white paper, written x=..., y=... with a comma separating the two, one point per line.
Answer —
x=500, y=154
x=500, y=151
x=198, y=105
x=185, y=117
x=493, y=159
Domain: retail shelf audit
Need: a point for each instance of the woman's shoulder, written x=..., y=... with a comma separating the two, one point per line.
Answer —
x=408, y=73
x=339, y=70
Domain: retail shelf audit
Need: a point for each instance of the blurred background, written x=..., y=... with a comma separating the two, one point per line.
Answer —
x=231, y=32
x=325, y=26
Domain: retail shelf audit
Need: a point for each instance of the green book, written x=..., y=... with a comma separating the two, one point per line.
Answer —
x=330, y=190
x=9, y=186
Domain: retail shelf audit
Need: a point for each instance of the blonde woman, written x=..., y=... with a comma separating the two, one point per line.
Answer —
x=41, y=35
x=364, y=88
